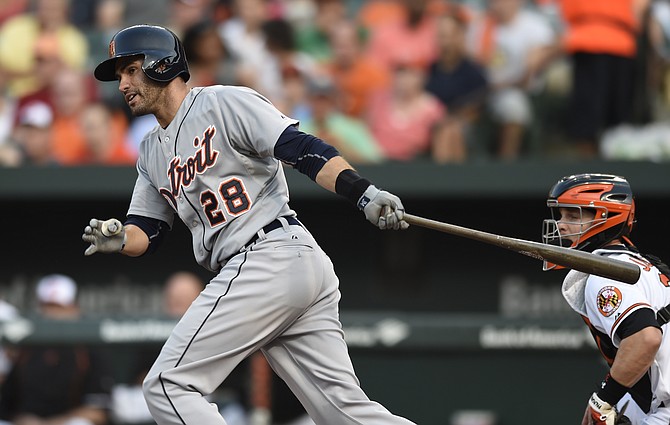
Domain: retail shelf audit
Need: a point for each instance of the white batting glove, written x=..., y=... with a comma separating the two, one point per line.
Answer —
x=106, y=236
x=601, y=412
x=383, y=209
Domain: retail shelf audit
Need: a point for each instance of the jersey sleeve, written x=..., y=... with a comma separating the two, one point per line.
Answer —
x=252, y=122
x=609, y=303
x=147, y=200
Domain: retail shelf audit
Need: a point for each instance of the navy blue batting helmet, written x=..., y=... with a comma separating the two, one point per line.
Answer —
x=164, y=58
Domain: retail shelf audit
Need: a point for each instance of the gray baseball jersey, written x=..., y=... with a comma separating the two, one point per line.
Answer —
x=214, y=166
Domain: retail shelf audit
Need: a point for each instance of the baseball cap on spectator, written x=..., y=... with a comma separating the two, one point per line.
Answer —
x=36, y=114
x=320, y=86
x=56, y=289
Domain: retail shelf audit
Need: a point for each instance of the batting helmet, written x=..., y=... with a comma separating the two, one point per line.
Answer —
x=608, y=195
x=164, y=57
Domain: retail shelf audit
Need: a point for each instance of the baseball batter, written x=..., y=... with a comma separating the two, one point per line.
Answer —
x=215, y=160
x=595, y=212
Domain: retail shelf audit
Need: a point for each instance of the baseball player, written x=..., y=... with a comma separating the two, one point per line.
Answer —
x=595, y=213
x=215, y=160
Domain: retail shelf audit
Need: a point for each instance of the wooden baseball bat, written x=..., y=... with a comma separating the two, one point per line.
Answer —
x=566, y=257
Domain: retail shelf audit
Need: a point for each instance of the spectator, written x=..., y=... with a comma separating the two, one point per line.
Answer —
x=70, y=93
x=48, y=64
x=180, y=289
x=600, y=37
x=56, y=383
x=7, y=313
x=243, y=37
x=410, y=40
x=145, y=11
x=355, y=75
x=374, y=13
x=11, y=8
x=350, y=136
x=514, y=45
x=658, y=39
x=109, y=18
x=296, y=101
x=138, y=128
x=208, y=60
x=403, y=118
x=30, y=143
x=314, y=37
x=459, y=83
x=183, y=14
x=8, y=107
x=20, y=35
x=280, y=42
x=104, y=137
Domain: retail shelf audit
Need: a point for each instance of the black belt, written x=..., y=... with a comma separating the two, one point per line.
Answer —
x=276, y=224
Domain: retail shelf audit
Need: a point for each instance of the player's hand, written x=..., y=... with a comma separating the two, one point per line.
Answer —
x=106, y=236
x=599, y=412
x=383, y=209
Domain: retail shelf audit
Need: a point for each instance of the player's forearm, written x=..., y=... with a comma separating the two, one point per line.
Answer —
x=327, y=176
x=635, y=355
x=137, y=241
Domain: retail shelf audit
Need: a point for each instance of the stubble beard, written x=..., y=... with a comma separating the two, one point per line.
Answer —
x=148, y=100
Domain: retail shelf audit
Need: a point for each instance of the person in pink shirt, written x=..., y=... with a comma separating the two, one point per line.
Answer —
x=403, y=118
x=411, y=39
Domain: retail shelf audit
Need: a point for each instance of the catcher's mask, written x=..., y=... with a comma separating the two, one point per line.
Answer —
x=164, y=58
x=600, y=207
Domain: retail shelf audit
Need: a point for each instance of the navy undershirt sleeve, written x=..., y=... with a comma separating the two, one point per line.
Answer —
x=636, y=321
x=304, y=152
x=155, y=229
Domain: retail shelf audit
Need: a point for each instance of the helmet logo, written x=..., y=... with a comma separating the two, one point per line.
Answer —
x=609, y=300
x=112, y=49
x=161, y=68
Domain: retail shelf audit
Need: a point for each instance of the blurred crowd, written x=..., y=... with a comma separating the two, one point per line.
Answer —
x=381, y=80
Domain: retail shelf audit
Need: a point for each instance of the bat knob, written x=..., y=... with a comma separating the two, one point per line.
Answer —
x=111, y=227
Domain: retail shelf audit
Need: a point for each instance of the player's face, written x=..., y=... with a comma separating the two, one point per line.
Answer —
x=140, y=93
x=574, y=222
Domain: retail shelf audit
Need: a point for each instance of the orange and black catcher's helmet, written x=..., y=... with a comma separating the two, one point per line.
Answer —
x=164, y=58
x=609, y=196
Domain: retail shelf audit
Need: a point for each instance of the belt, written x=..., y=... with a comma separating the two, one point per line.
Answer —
x=274, y=225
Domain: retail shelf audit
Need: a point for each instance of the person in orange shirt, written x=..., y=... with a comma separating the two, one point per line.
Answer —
x=600, y=37
x=355, y=75
x=105, y=136
x=69, y=97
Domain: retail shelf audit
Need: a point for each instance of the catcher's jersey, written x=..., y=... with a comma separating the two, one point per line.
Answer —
x=606, y=303
x=214, y=166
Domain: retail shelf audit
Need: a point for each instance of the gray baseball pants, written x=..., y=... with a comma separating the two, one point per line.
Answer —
x=280, y=296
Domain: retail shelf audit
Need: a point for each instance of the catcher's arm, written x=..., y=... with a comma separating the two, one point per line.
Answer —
x=633, y=359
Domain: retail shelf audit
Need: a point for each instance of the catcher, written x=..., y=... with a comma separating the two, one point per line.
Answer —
x=595, y=213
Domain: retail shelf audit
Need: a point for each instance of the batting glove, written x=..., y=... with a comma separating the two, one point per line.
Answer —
x=601, y=412
x=104, y=236
x=383, y=209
